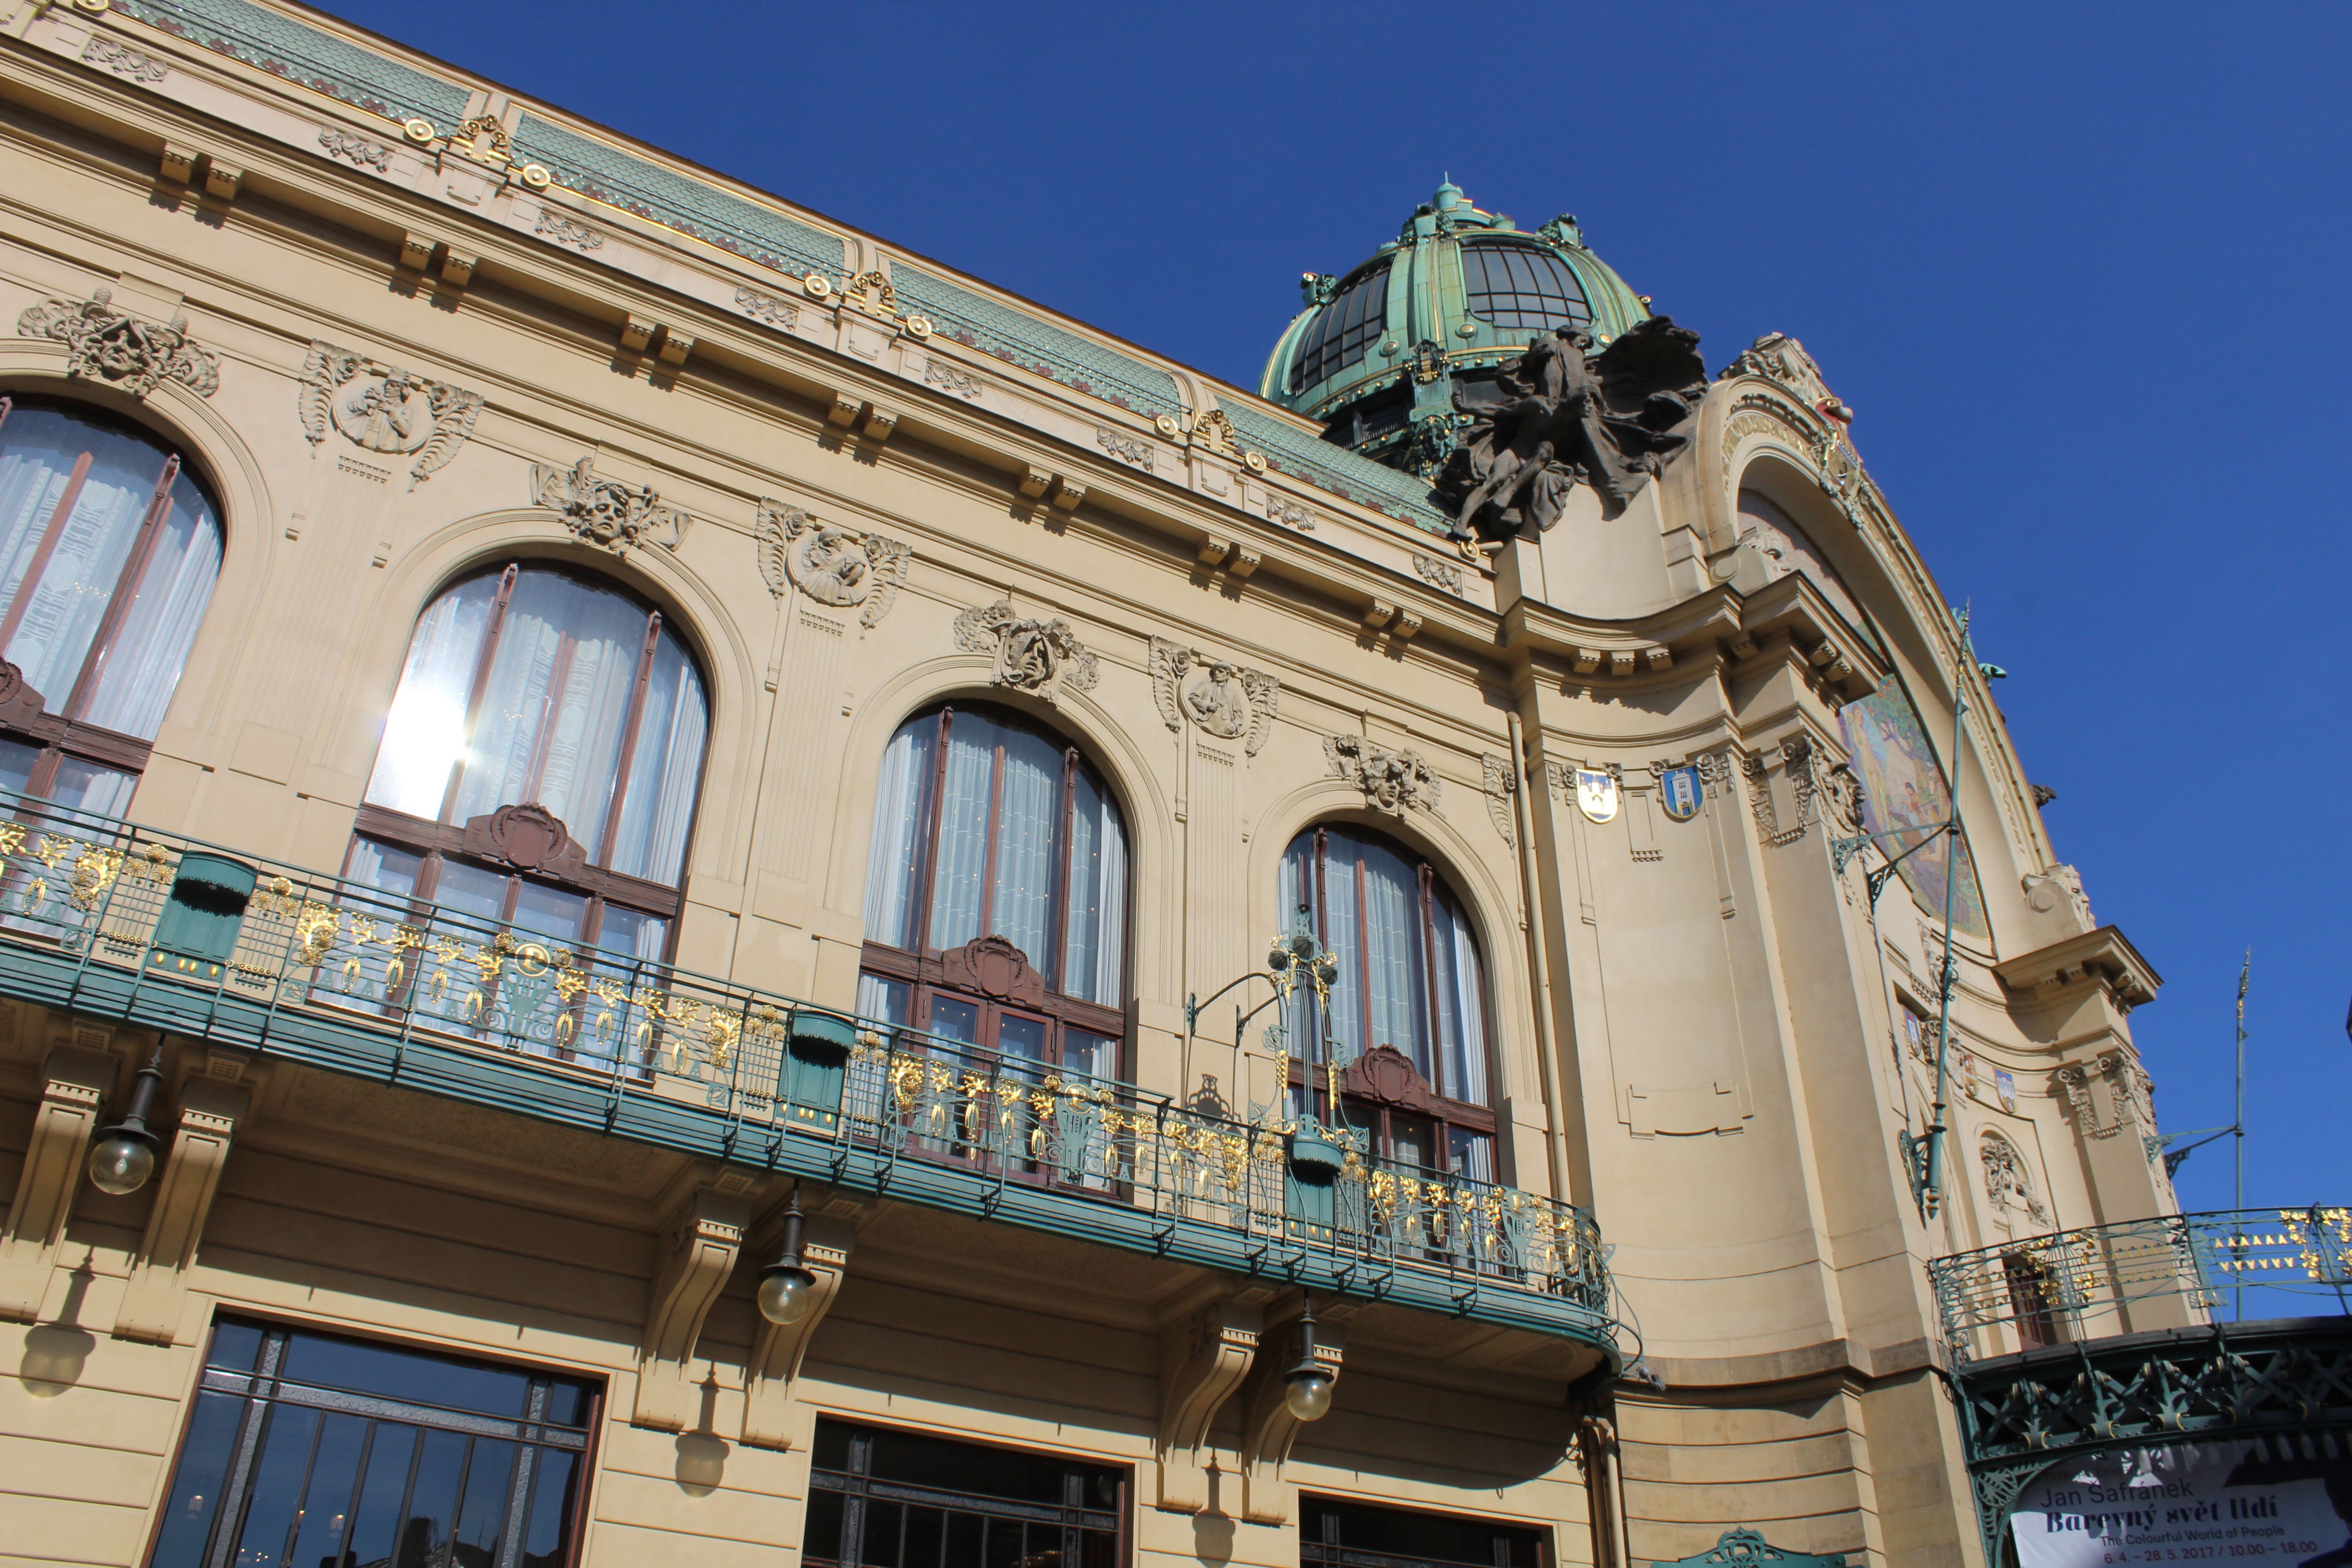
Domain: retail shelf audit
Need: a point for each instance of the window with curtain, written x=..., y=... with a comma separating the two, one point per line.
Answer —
x=109, y=551
x=529, y=686
x=1410, y=979
x=987, y=826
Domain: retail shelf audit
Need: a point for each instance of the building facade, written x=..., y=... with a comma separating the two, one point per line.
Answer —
x=765, y=904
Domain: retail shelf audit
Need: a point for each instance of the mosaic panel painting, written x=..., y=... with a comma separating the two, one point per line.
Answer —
x=1903, y=786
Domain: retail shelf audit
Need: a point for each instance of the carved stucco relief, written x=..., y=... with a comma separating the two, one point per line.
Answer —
x=833, y=565
x=1392, y=781
x=1222, y=699
x=127, y=352
x=1042, y=657
x=606, y=512
x=384, y=409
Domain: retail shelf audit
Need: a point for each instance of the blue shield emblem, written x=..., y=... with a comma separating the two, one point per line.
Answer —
x=1680, y=793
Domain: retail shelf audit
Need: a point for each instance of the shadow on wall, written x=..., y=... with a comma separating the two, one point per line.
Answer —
x=56, y=1353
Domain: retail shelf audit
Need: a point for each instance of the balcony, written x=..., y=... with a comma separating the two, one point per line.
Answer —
x=156, y=931
x=2126, y=1336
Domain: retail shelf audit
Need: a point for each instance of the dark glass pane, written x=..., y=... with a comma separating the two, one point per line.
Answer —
x=880, y=1547
x=567, y=1405
x=925, y=1533
x=553, y=1490
x=16, y=760
x=966, y=1532
x=1019, y=1037
x=277, y=1486
x=821, y=1535
x=1005, y=1546
x=967, y=1467
x=1431, y=1538
x=489, y=1482
x=234, y=1346
x=404, y=1374
x=1517, y=286
x=1347, y=328
x=472, y=890
x=1098, y=1549
x=832, y=1448
x=375, y=1525
x=432, y=1503
x=195, y=1498
x=327, y=1501
x=955, y=1019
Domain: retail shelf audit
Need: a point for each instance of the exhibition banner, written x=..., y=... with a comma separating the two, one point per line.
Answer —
x=2236, y=1502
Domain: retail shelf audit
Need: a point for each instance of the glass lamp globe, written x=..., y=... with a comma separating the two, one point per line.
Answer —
x=120, y=1164
x=1308, y=1394
x=786, y=1294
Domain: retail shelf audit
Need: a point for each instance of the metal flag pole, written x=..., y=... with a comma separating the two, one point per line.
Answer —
x=2244, y=971
x=1932, y=1189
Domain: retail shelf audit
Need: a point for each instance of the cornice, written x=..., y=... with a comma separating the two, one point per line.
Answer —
x=2102, y=958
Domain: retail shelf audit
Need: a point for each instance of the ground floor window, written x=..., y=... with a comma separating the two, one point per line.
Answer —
x=893, y=1500
x=313, y=1450
x=1357, y=1536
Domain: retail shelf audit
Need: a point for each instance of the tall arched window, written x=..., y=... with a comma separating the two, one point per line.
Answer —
x=109, y=551
x=1403, y=1043
x=989, y=836
x=540, y=763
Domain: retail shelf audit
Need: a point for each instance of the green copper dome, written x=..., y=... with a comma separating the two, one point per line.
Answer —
x=1380, y=353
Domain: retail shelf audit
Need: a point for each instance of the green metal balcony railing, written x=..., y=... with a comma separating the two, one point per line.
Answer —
x=2174, y=1272
x=103, y=917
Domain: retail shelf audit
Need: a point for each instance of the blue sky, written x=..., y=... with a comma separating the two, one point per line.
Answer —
x=2081, y=269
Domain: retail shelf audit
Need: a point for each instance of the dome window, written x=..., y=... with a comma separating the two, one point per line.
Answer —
x=1347, y=327
x=1522, y=286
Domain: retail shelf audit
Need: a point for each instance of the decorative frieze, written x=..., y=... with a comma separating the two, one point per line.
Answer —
x=831, y=564
x=1439, y=575
x=356, y=151
x=127, y=352
x=122, y=60
x=1392, y=781
x=962, y=383
x=768, y=308
x=1288, y=513
x=555, y=226
x=606, y=512
x=1042, y=657
x=1224, y=700
x=1132, y=450
x=384, y=409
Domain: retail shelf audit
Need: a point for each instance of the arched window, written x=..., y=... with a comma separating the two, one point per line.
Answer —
x=109, y=551
x=540, y=763
x=992, y=837
x=1411, y=996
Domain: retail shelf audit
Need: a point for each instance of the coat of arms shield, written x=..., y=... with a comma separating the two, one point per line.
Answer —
x=1596, y=795
x=1679, y=793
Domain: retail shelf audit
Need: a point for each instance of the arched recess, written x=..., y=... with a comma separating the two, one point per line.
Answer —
x=1487, y=905
x=351, y=733
x=247, y=512
x=1125, y=773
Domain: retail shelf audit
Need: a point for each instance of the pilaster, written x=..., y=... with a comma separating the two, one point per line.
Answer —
x=74, y=1081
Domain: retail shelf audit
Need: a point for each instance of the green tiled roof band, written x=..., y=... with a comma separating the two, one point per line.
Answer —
x=304, y=53
x=301, y=53
x=675, y=201
x=1335, y=468
x=1033, y=344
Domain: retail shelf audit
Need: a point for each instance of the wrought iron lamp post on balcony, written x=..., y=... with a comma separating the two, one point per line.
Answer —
x=1294, y=959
